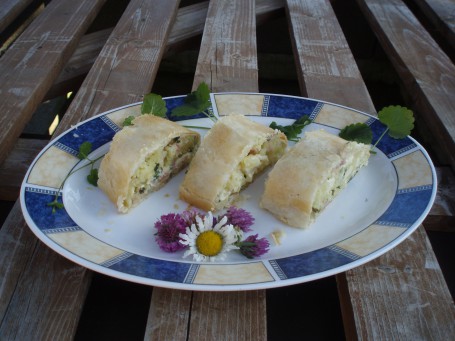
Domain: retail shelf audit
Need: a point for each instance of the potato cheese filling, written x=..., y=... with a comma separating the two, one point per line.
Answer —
x=143, y=157
x=310, y=174
x=234, y=151
x=352, y=159
x=158, y=167
x=258, y=158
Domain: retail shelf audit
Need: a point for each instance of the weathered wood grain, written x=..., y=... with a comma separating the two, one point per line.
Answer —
x=401, y=295
x=52, y=309
x=32, y=63
x=12, y=171
x=168, y=315
x=426, y=72
x=188, y=24
x=228, y=315
x=10, y=10
x=225, y=60
x=442, y=15
x=375, y=305
x=326, y=67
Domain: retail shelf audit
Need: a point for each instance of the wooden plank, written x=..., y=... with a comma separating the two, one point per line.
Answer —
x=426, y=72
x=401, y=295
x=13, y=170
x=225, y=60
x=139, y=33
x=169, y=315
x=226, y=315
x=326, y=66
x=442, y=214
x=10, y=10
x=404, y=304
x=32, y=63
x=188, y=24
x=441, y=13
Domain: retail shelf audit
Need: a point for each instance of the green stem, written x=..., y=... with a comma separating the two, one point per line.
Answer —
x=55, y=203
x=379, y=139
x=196, y=127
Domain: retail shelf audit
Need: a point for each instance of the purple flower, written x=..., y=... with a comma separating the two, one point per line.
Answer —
x=240, y=218
x=169, y=227
x=189, y=215
x=253, y=247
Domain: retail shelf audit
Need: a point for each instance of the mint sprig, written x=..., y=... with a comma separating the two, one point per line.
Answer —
x=293, y=130
x=84, y=150
x=358, y=132
x=195, y=103
x=152, y=104
x=399, y=122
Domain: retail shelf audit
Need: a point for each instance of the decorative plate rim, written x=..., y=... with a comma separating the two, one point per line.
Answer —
x=270, y=273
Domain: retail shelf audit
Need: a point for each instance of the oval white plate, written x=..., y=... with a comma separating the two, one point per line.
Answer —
x=381, y=206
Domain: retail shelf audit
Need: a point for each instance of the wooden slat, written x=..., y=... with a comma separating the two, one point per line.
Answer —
x=326, y=66
x=229, y=315
x=408, y=308
x=136, y=46
x=442, y=15
x=10, y=10
x=401, y=295
x=426, y=72
x=12, y=171
x=188, y=24
x=32, y=63
x=225, y=61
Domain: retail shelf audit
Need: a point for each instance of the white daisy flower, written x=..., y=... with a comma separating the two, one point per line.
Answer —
x=207, y=242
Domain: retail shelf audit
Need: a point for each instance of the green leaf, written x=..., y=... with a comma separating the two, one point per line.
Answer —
x=293, y=130
x=358, y=132
x=154, y=104
x=84, y=149
x=92, y=178
x=128, y=121
x=55, y=205
x=195, y=102
x=398, y=119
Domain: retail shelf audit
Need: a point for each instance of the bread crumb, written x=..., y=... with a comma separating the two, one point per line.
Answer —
x=277, y=236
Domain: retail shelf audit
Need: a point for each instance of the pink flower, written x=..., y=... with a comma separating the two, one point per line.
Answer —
x=240, y=218
x=253, y=247
x=169, y=227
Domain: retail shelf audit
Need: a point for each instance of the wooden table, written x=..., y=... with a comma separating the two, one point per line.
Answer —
x=63, y=46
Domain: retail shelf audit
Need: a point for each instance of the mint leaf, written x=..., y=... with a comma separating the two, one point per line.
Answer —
x=154, y=104
x=195, y=102
x=399, y=120
x=293, y=130
x=358, y=132
x=84, y=149
x=92, y=178
x=128, y=121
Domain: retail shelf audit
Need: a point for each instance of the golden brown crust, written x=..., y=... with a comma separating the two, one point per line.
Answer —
x=128, y=150
x=222, y=149
x=292, y=184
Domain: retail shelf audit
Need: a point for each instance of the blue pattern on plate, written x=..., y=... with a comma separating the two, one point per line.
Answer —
x=388, y=145
x=41, y=213
x=174, y=102
x=153, y=268
x=95, y=131
x=406, y=207
x=290, y=107
x=312, y=262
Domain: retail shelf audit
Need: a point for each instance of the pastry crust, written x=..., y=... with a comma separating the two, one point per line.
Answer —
x=232, y=153
x=143, y=157
x=310, y=175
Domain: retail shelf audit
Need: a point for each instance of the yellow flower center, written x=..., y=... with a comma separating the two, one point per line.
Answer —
x=209, y=243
